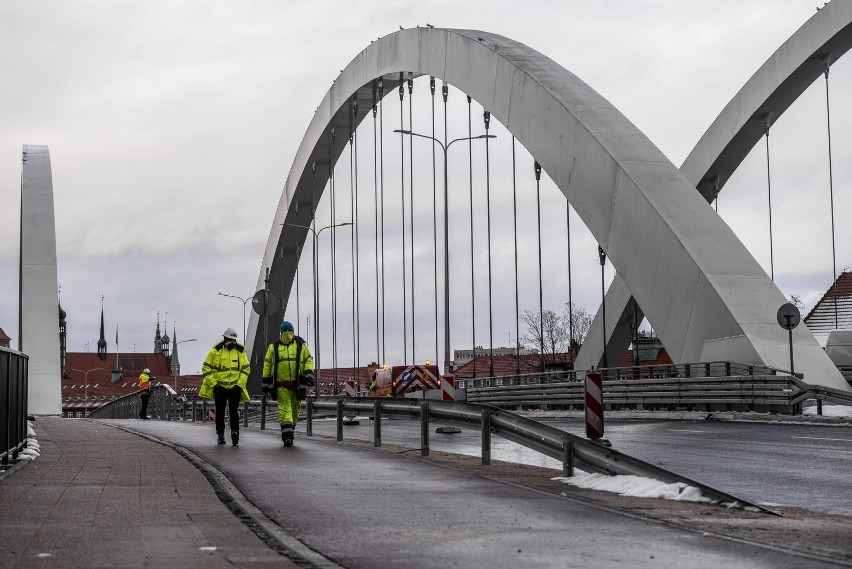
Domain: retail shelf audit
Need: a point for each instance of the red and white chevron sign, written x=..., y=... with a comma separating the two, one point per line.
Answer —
x=594, y=406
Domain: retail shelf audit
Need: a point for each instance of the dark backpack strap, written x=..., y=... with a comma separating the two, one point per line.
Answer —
x=299, y=343
x=275, y=363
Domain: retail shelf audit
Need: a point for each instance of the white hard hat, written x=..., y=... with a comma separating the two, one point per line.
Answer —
x=146, y=370
x=230, y=333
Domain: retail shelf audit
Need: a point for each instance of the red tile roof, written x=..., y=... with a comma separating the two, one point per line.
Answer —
x=508, y=365
x=4, y=336
x=820, y=319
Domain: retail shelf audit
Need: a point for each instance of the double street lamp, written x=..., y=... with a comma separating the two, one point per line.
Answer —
x=86, y=386
x=244, y=301
x=174, y=369
x=316, y=234
x=445, y=148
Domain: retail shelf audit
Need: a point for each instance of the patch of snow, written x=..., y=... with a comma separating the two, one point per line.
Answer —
x=33, y=449
x=830, y=411
x=638, y=486
x=207, y=548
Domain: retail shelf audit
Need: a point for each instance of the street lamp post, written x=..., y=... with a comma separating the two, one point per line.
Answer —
x=173, y=369
x=244, y=301
x=446, y=235
x=315, y=259
x=86, y=387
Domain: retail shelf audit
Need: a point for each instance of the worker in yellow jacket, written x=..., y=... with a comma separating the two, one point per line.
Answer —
x=288, y=370
x=225, y=371
x=145, y=392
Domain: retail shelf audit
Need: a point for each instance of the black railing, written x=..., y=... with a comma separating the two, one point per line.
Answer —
x=13, y=403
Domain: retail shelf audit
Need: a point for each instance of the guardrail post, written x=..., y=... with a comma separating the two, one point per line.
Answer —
x=486, y=436
x=309, y=411
x=568, y=458
x=193, y=410
x=377, y=423
x=263, y=413
x=424, y=428
x=245, y=414
x=339, y=420
x=819, y=406
x=204, y=411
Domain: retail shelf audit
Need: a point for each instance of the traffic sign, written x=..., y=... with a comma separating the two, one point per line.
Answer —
x=788, y=316
x=265, y=302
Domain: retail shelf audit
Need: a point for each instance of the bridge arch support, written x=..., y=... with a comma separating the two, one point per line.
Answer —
x=697, y=282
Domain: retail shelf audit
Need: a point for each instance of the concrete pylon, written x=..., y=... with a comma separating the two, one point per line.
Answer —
x=38, y=331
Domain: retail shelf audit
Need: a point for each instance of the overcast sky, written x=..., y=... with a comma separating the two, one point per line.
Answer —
x=172, y=127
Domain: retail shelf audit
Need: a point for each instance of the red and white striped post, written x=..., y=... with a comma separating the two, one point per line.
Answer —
x=594, y=406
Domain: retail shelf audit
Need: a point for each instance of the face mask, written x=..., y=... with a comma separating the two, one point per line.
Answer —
x=287, y=336
x=229, y=344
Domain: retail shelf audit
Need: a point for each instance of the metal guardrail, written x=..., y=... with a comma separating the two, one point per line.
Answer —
x=686, y=370
x=164, y=404
x=14, y=374
x=570, y=449
x=775, y=392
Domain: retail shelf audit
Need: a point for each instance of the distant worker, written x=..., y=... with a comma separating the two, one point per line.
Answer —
x=288, y=370
x=373, y=384
x=145, y=386
x=225, y=371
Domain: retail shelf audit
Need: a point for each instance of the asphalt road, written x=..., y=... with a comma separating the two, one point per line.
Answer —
x=366, y=509
x=806, y=466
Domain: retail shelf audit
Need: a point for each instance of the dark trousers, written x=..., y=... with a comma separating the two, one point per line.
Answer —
x=232, y=398
x=144, y=412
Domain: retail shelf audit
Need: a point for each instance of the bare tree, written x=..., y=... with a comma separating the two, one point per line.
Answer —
x=581, y=320
x=556, y=329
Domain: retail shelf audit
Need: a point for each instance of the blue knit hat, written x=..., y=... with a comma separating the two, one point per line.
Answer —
x=287, y=325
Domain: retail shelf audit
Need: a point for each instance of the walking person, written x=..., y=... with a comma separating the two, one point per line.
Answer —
x=288, y=370
x=225, y=371
x=145, y=386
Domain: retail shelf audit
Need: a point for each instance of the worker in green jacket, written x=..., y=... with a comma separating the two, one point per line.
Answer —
x=225, y=371
x=288, y=369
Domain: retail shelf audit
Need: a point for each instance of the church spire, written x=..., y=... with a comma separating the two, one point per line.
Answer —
x=158, y=346
x=175, y=361
x=102, y=345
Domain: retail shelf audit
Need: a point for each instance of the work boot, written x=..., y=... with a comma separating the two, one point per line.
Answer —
x=235, y=438
x=287, y=434
x=221, y=439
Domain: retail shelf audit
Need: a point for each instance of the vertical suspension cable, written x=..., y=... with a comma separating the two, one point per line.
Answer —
x=537, y=169
x=769, y=196
x=486, y=116
x=831, y=194
x=356, y=294
x=315, y=259
x=434, y=215
x=333, y=240
x=352, y=240
x=515, y=227
x=382, y=205
x=402, y=220
x=570, y=287
x=472, y=274
x=411, y=212
x=445, y=90
x=376, y=225
x=296, y=262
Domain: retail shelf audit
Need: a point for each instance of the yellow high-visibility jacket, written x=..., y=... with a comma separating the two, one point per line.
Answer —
x=145, y=382
x=226, y=368
x=289, y=369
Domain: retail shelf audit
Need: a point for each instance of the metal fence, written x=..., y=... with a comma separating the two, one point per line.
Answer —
x=709, y=386
x=570, y=449
x=13, y=403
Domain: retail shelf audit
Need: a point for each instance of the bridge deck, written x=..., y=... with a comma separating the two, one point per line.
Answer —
x=100, y=496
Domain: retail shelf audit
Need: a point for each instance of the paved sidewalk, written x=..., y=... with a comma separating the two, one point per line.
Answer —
x=101, y=497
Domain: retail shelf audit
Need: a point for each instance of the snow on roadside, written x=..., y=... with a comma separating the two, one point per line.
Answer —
x=638, y=486
x=33, y=449
x=830, y=411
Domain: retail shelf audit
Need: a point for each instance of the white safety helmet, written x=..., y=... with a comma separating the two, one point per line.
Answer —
x=146, y=370
x=230, y=333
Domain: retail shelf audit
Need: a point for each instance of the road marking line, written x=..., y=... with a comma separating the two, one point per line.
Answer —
x=821, y=439
x=686, y=431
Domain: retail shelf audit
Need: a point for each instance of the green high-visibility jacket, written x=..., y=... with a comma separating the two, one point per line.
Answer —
x=227, y=368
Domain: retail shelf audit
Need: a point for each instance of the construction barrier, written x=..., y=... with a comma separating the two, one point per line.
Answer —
x=594, y=406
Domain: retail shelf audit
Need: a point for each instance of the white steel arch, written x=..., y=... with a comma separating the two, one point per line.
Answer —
x=698, y=283
x=794, y=66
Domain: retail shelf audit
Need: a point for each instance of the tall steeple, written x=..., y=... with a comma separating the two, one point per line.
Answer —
x=175, y=361
x=63, y=336
x=158, y=346
x=102, y=345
